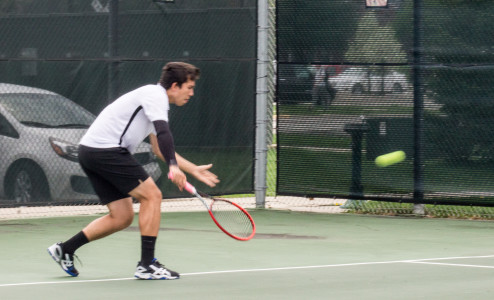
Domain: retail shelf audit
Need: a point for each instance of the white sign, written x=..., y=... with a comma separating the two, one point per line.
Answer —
x=376, y=3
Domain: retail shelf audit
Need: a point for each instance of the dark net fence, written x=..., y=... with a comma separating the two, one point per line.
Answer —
x=62, y=62
x=355, y=83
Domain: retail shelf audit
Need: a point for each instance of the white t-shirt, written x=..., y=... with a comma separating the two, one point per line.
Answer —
x=128, y=120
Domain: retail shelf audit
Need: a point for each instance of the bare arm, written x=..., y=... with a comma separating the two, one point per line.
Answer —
x=201, y=172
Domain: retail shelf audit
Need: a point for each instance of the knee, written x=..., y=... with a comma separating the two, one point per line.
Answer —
x=153, y=195
x=123, y=220
x=158, y=195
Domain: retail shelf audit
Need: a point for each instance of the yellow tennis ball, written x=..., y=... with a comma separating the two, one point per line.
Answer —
x=390, y=158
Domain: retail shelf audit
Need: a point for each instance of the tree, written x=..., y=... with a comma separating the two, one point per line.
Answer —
x=315, y=31
x=375, y=43
x=458, y=53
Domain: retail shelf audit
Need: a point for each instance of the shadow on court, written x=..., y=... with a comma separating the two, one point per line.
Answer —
x=293, y=256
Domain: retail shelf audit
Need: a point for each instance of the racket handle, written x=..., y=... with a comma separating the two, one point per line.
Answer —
x=188, y=187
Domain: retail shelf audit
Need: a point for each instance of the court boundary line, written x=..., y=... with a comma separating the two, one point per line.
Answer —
x=412, y=261
x=453, y=265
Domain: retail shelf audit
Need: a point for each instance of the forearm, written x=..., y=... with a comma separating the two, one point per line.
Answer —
x=184, y=164
x=201, y=173
x=164, y=141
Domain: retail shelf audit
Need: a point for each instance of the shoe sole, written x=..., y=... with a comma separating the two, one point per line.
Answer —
x=150, y=277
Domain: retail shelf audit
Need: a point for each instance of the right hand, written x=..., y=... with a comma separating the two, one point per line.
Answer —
x=177, y=176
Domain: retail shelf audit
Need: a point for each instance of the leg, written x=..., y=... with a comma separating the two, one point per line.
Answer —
x=149, y=195
x=120, y=217
x=112, y=173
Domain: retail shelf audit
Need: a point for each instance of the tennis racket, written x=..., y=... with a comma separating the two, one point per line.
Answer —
x=230, y=217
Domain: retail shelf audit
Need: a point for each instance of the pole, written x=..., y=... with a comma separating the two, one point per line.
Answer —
x=356, y=131
x=261, y=104
x=418, y=108
x=113, y=50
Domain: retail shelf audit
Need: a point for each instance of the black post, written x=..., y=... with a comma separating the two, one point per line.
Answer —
x=113, y=50
x=356, y=130
x=418, y=99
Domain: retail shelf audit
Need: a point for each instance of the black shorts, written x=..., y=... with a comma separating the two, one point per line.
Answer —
x=113, y=172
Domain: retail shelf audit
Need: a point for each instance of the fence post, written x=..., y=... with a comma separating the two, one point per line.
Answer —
x=112, y=50
x=261, y=103
x=418, y=109
x=356, y=131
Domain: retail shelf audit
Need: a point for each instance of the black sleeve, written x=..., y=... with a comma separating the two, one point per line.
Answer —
x=165, y=141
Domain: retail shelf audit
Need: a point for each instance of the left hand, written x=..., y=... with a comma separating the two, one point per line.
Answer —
x=203, y=174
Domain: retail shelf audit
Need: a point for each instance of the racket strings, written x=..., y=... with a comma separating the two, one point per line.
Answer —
x=231, y=218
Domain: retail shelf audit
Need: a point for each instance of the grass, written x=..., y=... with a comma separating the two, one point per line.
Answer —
x=305, y=171
x=432, y=211
x=304, y=109
x=316, y=140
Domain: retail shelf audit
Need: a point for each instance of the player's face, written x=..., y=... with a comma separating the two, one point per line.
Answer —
x=181, y=95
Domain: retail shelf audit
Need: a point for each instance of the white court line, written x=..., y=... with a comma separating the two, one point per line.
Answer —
x=452, y=265
x=423, y=261
x=452, y=257
x=63, y=282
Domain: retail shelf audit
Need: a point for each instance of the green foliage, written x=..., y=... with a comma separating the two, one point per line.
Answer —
x=364, y=48
x=461, y=47
x=458, y=72
x=324, y=40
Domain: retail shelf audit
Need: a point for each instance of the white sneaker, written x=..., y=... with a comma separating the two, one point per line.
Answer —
x=65, y=260
x=154, y=271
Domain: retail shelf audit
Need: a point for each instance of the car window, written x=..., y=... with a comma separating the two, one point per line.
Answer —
x=6, y=129
x=294, y=72
x=46, y=110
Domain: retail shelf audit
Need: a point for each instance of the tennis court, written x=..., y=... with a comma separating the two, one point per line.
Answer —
x=294, y=255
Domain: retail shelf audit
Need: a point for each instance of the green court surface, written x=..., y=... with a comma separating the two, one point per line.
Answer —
x=293, y=256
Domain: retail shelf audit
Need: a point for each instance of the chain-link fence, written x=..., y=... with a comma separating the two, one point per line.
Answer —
x=62, y=62
x=349, y=87
x=355, y=83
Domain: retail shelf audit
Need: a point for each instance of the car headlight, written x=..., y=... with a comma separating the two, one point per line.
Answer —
x=65, y=149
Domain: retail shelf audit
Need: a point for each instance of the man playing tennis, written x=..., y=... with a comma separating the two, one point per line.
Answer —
x=105, y=156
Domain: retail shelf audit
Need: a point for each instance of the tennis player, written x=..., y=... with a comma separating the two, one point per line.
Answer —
x=105, y=156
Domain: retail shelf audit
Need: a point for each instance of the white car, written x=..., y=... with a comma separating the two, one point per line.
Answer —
x=361, y=80
x=39, y=133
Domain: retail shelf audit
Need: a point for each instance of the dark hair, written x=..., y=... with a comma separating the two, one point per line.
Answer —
x=178, y=72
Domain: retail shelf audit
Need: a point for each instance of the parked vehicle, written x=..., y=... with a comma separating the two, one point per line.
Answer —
x=362, y=80
x=306, y=83
x=294, y=84
x=39, y=132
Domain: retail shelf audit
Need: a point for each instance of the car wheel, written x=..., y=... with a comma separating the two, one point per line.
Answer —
x=357, y=89
x=27, y=183
x=397, y=88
